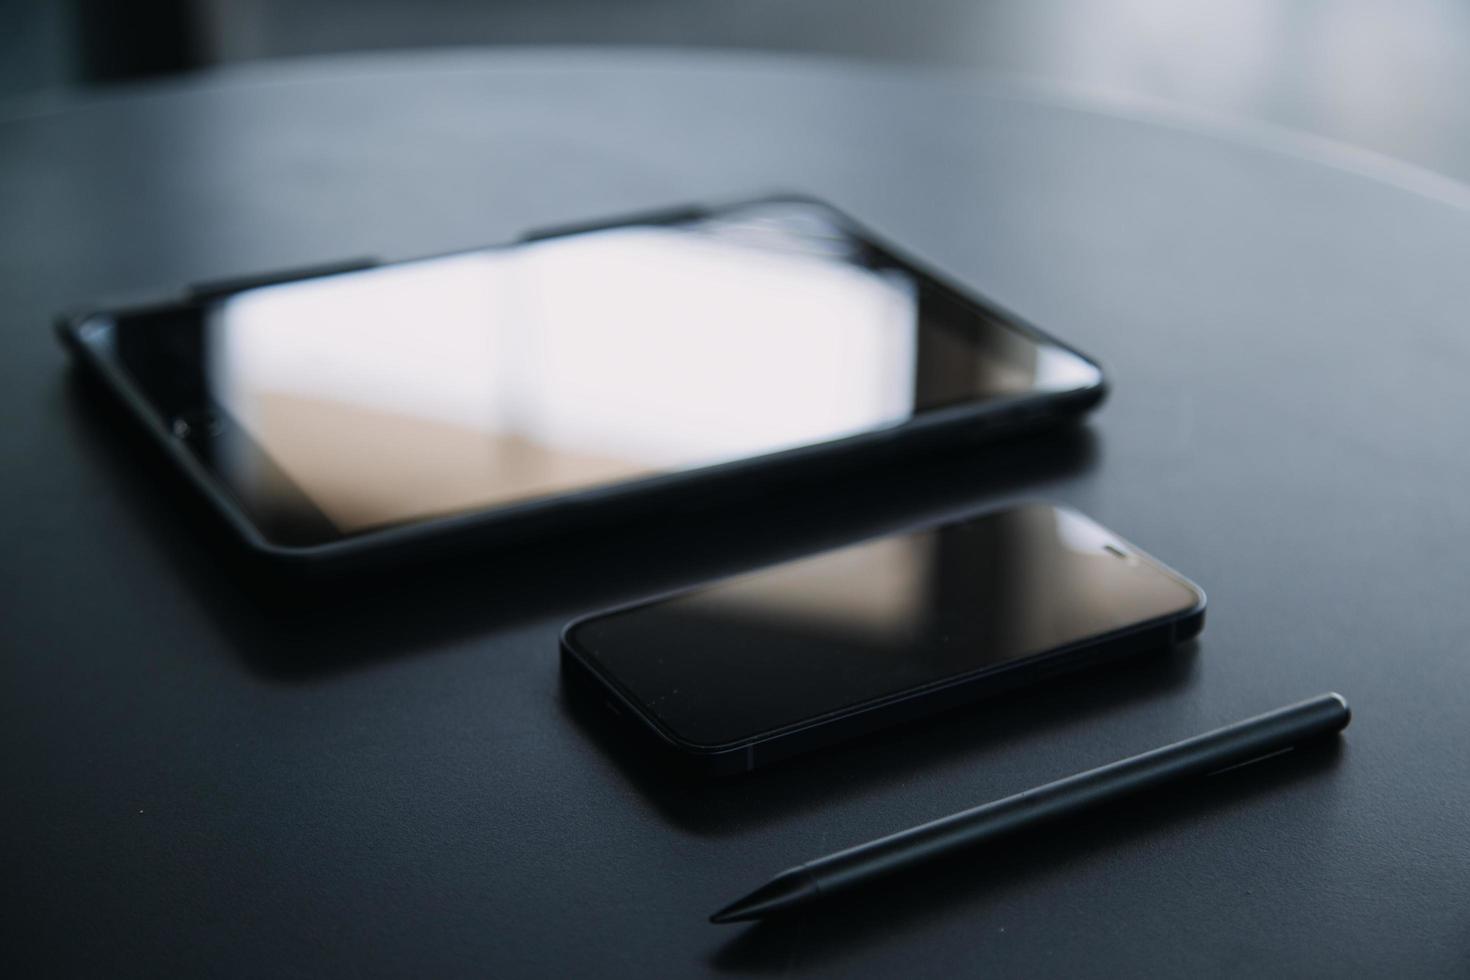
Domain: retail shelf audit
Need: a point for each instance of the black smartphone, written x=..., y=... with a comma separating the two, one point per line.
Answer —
x=413, y=409
x=764, y=665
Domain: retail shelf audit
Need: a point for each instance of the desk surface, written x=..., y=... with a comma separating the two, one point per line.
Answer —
x=393, y=784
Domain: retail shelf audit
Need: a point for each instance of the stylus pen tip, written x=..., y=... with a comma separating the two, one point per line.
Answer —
x=740, y=911
x=780, y=893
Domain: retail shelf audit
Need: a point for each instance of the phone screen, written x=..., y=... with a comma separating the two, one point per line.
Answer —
x=782, y=646
x=345, y=403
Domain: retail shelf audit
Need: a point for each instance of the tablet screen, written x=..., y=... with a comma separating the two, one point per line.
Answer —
x=453, y=384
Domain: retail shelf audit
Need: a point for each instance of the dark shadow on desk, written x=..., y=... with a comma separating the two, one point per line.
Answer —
x=975, y=884
x=300, y=637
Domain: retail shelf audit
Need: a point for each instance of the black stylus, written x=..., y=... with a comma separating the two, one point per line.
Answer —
x=1233, y=745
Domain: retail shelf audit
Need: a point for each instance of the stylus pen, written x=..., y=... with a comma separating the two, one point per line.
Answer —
x=1242, y=742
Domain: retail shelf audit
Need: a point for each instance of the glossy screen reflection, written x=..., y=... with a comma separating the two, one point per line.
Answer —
x=453, y=384
x=780, y=646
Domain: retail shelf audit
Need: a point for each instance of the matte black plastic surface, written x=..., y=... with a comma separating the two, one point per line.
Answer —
x=1039, y=808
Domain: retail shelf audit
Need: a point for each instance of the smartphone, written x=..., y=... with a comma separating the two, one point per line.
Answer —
x=762, y=666
x=574, y=377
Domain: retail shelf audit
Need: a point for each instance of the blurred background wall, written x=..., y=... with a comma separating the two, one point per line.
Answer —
x=1390, y=76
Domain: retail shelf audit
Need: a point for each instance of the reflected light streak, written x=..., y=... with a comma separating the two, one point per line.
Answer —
x=499, y=375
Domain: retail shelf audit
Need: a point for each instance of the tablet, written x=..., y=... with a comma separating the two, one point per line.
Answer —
x=574, y=377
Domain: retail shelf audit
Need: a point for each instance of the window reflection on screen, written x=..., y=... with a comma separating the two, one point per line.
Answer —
x=453, y=384
x=450, y=384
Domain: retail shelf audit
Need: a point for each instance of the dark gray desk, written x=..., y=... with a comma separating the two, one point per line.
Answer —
x=194, y=784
